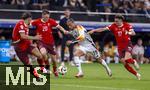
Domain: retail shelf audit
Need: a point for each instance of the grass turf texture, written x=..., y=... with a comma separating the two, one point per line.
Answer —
x=96, y=79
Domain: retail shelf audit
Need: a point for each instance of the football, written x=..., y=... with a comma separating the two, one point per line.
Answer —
x=62, y=70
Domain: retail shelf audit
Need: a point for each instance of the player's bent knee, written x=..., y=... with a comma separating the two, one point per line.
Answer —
x=78, y=53
x=39, y=56
x=45, y=56
x=53, y=57
x=123, y=61
x=128, y=55
x=99, y=59
x=43, y=51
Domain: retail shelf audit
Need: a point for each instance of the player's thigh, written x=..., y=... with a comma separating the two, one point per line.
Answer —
x=122, y=60
x=79, y=52
x=128, y=55
x=96, y=54
x=52, y=56
x=128, y=51
x=35, y=51
x=23, y=57
x=93, y=51
x=44, y=53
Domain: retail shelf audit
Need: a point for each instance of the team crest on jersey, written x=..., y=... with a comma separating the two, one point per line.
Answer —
x=123, y=29
x=45, y=28
x=21, y=26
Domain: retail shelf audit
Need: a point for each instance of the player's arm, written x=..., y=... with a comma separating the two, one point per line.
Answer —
x=60, y=35
x=33, y=23
x=62, y=29
x=98, y=30
x=72, y=42
x=24, y=36
x=131, y=32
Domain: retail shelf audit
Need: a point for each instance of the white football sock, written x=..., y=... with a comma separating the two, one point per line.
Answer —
x=116, y=59
x=108, y=59
x=78, y=64
x=105, y=64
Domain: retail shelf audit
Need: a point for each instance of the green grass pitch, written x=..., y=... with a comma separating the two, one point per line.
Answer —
x=96, y=79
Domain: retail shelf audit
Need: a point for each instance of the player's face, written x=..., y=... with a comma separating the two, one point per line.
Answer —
x=45, y=17
x=118, y=21
x=71, y=25
x=140, y=42
x=28, y=20
x=67, y=13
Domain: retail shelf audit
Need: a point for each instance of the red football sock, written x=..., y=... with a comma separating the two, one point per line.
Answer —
x=41, y=62
x=55, y=71
x=130, y=61
x=47, y=64
x=130, y=69
x=54, y=68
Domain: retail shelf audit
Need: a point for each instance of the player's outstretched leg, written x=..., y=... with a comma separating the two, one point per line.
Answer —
x=108, y=70
x=77, y=61
x=53, y=58
x=128, y=60
x=131, y=70
x=134, y=62
x=78, y=65
x=40, y=59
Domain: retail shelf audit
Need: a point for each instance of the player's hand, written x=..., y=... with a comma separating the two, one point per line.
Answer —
x=66, y=32
x=69, y=42
x=38, y=37
x=91, y=32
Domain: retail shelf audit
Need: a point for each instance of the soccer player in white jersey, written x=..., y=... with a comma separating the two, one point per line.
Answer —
x=86, y=45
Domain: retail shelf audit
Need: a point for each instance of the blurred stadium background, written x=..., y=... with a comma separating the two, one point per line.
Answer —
x=89, y=13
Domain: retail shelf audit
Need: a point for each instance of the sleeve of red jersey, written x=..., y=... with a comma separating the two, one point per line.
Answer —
x=33, y=23
x=21, y=28
x=129, y=27
x=110, y=27
x=53, y=23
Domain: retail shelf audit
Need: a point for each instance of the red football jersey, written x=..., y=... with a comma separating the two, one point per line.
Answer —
x=21, y=43
x=120, y=34
x=45, y=29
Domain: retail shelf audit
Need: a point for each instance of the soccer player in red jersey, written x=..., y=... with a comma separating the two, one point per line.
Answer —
x=44, y=27
x=122, y=32
x=22, y=42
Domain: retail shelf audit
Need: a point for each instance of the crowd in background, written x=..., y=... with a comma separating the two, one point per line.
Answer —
x=140, y=52
x=109, y=51
x=123, y=6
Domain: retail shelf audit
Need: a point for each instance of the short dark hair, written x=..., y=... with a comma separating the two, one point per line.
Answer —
x=67, y=9
x=70, y=20
x=45, y=11
x=119, y=16
x=26, y=15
